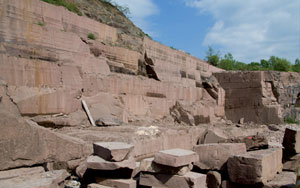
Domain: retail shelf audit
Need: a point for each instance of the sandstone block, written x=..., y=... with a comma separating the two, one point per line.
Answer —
x=112, y=151
x=215, y=156
x=255, y=167
x=148, y=165
x=119, y=183
x=20, y=172
x=94, y=185
x=45, y=180
x=213, y=179
x=291, y=141
x=284, y=179
x=97, y=163
x=191, y=179
x=175, y=157
x=292, y=163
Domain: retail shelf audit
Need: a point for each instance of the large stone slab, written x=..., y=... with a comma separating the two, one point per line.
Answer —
x=291, y=141
x=292, y=163
x=190, y=180
x=39, y=180
x=112, y=151
x=284, y=179
x=97, y=163
x=175, y=157
x=255, y=167
x=148, y=165
x=20, y=172
x=24, y=143
x=215, y=156
x=119, y=183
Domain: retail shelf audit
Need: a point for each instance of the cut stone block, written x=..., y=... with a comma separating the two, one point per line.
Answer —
x=291, y=141
x=213, y=179
x=284, y=179
x=175, y=157
x=97, y=163
x=229, y=184
x=148, y=165
x=215, y=156
x=94, y=185
x=112, y=151
x=136, y=170
x=190, y=180
x=119, y=183
x=292, y=163
x=20, y=172
x=39, y=180
x=255, y=167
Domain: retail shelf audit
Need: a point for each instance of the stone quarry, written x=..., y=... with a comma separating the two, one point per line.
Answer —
x=123, y=111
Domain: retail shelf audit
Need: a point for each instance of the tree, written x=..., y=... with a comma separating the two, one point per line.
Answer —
x=265, y=65
x=212, y=57
x=240, y=66
x=253, y=66
x=280, y=64
x=296, y=66
x=228, y=62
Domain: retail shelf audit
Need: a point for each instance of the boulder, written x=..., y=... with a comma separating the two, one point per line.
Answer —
x=255, y=167
x=175, y=157
x=291, y=141
x=97, y=163
x=190, y=180
x=213, y=179
x=24, y=143
x=148, y=165
x=215, y=156
x=292, y=163
x=112, y=151
x=51, y=179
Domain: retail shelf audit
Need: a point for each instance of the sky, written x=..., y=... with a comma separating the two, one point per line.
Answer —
x=251, y=30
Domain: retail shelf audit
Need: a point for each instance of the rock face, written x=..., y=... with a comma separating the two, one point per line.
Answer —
x=255, y=167
x=291, y=141
x=261, y=97
x=215, y=156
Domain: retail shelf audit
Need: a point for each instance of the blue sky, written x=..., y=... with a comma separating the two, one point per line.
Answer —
x=251, y=30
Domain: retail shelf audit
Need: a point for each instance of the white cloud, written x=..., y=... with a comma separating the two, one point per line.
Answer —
x=140, y=10
x=255, y=29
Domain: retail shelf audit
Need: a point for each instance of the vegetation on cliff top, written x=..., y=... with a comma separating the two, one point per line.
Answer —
x=73, y=7
x=229, y=63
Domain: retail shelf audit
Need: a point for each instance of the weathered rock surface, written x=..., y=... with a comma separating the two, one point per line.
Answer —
x=292, y=163
x=215, y=156
x=8, y=174
x=175, y=157
x=255, y=167
x=190, y=180
x=97, y=163
x=148, y=165
x=94, y=185
x=112, y=151
x=24, y=143
x=38, y=180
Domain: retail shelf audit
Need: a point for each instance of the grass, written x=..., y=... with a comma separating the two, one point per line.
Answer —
x=91, y=36
x=70, y=6
x=41, y=24
x=291, y=120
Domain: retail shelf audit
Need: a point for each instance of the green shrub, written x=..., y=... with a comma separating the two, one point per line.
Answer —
x=291, y=120
x=70, y=6
x=41, y=24
x=91, y=36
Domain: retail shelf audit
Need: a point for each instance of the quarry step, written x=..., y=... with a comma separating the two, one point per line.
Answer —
x=112, y=151
x=215, y=156
x=255, y=167
x=190, y=180
x=148, y=165
x=175, y=157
